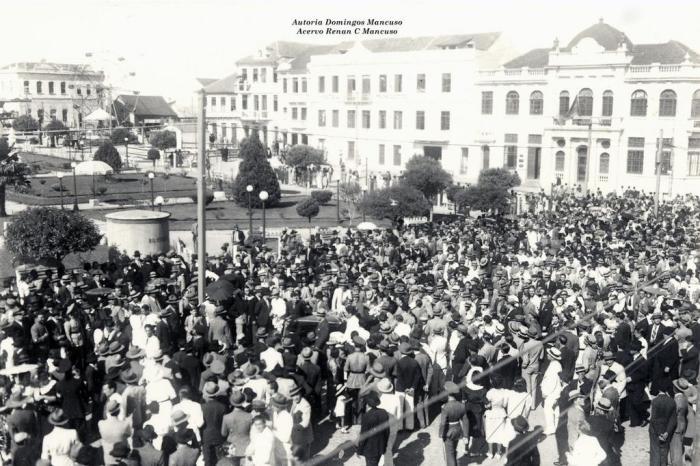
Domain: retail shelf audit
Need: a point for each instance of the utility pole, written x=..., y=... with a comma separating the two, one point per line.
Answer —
x=659, y=152
x=589, y=155
x=201, y=212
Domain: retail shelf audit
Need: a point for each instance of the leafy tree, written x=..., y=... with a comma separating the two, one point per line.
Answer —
x=301, y=156
x=351, y=194
x=109, y=154
x=208, y=197
x=322, y=196
x=255, y=170
x=163, y=140
x=395, y=201
x=498, y=178
x=47, y=233
x=119, y=134
x=25, y=123
x=57, y=129
x=308, y=208
x=426, y=175
x=12, y=172
x=153, y=154
x=491, y=192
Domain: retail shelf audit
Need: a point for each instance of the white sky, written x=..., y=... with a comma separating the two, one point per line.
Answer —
x=168, y=43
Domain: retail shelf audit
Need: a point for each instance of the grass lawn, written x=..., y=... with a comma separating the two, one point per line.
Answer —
x=121, y=188
x=224, y=215
x=41, y=163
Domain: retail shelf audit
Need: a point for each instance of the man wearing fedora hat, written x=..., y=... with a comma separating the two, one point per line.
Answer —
x=374, y=437
x=236, y=427
x=522, y=450
x=113, y=430
x=57, y=444
x=453, y=423
x=213, y=410
x=551, y=390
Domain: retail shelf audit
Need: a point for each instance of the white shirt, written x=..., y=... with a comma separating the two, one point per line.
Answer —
x=194, y=410
x=272, y=358
x=586, y=452
x=57, y=444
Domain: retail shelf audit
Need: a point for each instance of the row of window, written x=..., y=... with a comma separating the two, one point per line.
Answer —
x=366, y=83
x=259, y=102
x=396, y=154
x=52, y=88
x=41, y=114
x=582, y=104
x=351, y=119
x=258, y=74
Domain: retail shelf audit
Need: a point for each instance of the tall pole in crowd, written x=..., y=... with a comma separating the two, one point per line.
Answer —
x=201, y=213
x=659, y=154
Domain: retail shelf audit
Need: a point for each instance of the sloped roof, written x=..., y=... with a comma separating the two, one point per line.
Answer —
x=535, y=58
x=277, y=50
x=50, y=67
x=206, y=81
x=226, y=85
x=300, y=61
x=670, y=53
x=147, y=105
x=607, y=37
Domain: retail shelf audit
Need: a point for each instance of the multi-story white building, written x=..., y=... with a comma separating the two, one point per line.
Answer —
x=591, y=113
x=47, y=91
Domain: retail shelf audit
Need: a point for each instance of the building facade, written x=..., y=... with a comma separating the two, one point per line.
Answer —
x=48, y=91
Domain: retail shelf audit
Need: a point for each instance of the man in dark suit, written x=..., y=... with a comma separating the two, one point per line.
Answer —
x=623, y=334
x=545, y=313
x=662, y=424
x=323, y=330
x=213, y=410
x=637, y=379
x=148, y=454
x=374, y=431
x=656, y=330
x=522, y=450
x=665, y=360
x=312, y=374
x=261, y=310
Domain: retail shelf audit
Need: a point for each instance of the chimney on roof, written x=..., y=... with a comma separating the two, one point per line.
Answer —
x=600, y=21
x=555, y=46
x=686, y=58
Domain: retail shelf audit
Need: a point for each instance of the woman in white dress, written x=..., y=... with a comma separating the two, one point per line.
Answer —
x=495, y=418
x=519, y=404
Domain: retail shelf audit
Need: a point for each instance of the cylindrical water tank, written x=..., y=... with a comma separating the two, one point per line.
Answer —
x=145, y=231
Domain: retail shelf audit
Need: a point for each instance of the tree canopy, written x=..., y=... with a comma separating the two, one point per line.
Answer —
x=12, y=172
x=426, y=175
x=491, y=192
x=255, y=170
x=163, y=139
x=409, y=202
x=301, y=156
x=308, y=208
x=25, y=123
x=109, y=154
x=47, y=233
x=498, y=178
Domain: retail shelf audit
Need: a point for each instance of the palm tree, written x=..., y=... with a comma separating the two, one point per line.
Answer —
x=12, y=172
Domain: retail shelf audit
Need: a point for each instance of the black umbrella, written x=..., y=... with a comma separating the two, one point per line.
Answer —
x=220, y=290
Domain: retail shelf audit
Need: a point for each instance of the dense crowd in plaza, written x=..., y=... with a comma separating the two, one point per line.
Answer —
x=588, y=308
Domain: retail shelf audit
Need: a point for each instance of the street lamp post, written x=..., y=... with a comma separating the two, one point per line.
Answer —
x=151, y=175
x=75, y=188
x=60, y=187
x=249, y=189
x=263, y=197
x=126, y=146
x=364, y=193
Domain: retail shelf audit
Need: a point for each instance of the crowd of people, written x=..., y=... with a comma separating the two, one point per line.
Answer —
x=588, y=310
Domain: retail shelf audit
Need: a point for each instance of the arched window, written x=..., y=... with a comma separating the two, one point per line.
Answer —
x=536, y=103
x=638, y=103
x=563, y=102
x=604, y=168
x=585, y=102
x=695, y=105
x=667, y=103
x=559, y=161
x=607, y=103
x=512, y=103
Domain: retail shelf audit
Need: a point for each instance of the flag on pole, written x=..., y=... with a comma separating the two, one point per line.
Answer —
x=573, y=111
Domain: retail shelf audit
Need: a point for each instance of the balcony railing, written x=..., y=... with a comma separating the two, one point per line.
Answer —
x=254, y=114
x=603, y=178
x=585, y=121
x=357, y=97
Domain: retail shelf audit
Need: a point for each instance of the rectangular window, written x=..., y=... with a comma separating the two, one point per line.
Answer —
x=256, y=103
x=303, y=85
x=446, y=82
x=335, y=118
x=233, y=102
x=51, y=87
x=244, y=74
x=213, y=102
x=381, y=154
x=321, y=84
x=295, y=113
x=63, y=87
x=284, y=85
x=351, y=118
x=420, y=83
x=534, y=139
x=244, y=102
x=64, y=115
x=398, y=120
x=487, y=103
x=533, y=162
x=78, y=91
x=444, y=121
x=382, y=119
x=26, y=87
x=303, y=113
x=222, y=102
x=334, y=84
x=397, y=156
x=255, y=75
x=365, y=119
x=264, y=103
x=382, y=83
x=263, y=75
x=274, y=103
x=351, y=150
x=607, y=105
x=52, y=113
x=351, y=84
x=321, y=118
x=420, y=119
x=38, y=87
x=464, y=161
x=666, y=164
x=295, y=85
x=398, y=83
x=274, y=76
x=635, y=155
x=88, y=91
x=693, y=156
x=511, y=150
x=365, y=85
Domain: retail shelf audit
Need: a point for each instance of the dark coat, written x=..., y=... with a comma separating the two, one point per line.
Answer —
x=322, y=333
x=664, y=369
x=373, y=446
x=409, y=375
x=213, y=412
x=663, y=416
x=522, y=450
x=150, y=456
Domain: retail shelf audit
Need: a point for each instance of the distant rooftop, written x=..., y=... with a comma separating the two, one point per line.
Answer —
x=146, y=105
x=49, y=67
